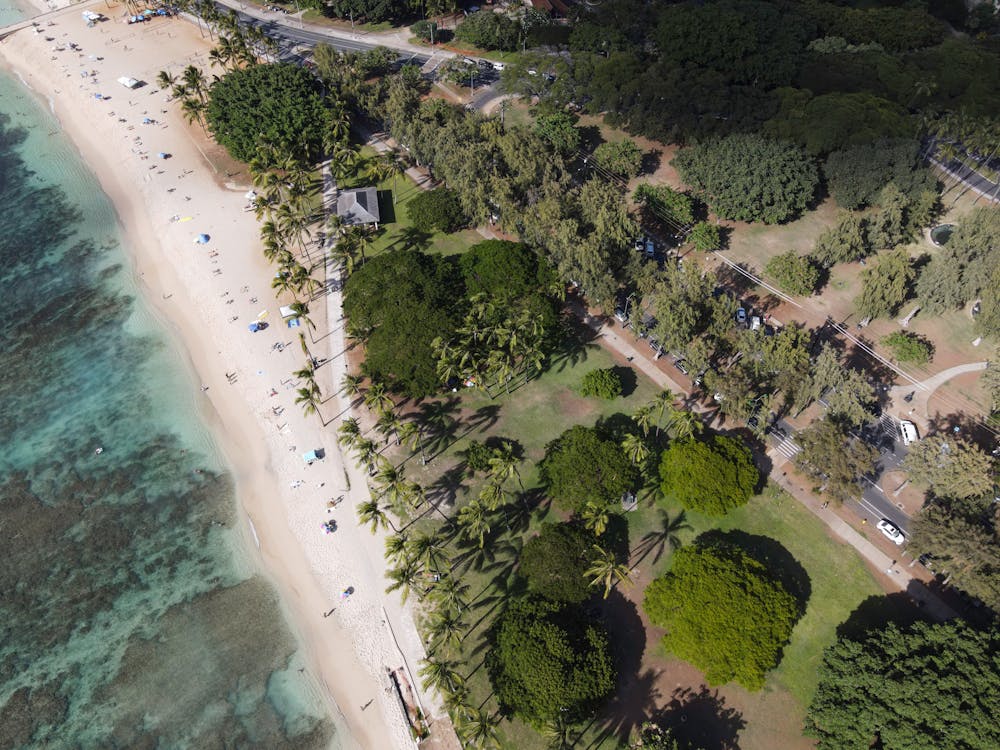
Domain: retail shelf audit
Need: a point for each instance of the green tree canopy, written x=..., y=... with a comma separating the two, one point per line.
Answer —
x=950, y=467
x=579, y=467
x=278, y=105
x=796, y=274
x=962, y=537
x=436, y=209
x=725, y=611
x=548, y=660
x=834, y=458
x=857, y=174
x=400, y=302
x=504, y=270
x=960, y=271
x=909, y=348
x=622, y=158
x=886, y=286
x=711, y=476
x=750, y=178
x=944, y=690
x=488, y=30
x=602, y=383
x=559, y=129
x=555, y=562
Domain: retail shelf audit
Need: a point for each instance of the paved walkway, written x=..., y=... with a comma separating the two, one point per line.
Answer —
x=923, y=391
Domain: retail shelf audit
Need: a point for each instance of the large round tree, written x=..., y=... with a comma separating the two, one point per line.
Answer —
x=927, y=687
x=549, y=661
x=709, y=476
x=579, y=467
x=279, y=104
x=556, y=562
x=724, y=611
x=750, y=178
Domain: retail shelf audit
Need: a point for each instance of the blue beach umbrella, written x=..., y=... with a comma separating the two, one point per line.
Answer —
x=202, y=239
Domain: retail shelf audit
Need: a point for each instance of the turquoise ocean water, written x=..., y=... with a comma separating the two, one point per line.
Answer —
x=130, y=616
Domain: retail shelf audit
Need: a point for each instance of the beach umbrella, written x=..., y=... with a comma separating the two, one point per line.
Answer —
x=163, y=155
x=202, y=239
x=146, y=121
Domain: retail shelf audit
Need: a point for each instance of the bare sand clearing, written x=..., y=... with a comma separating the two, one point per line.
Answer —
x=207, y=295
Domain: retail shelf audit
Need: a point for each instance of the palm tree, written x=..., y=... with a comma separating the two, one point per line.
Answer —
x=606, y=569
x=451, y=592
x=350, y=386
x=429, y=550
x=391, y=482
x=409, y=434
x=440, y=675
x=309, y=398
x=643, y=417
x=682, y=424
x=659, y=404
x=349, y=432
x=301, y=311
x=165, y=80
x=447, y=627
x=492, y=496
x=392, y=167
x=388, y=424
x=474, y=521
x=367, y=451
x=558, y=734
x=596, y=516
x=406, y=578
x=374, y=515
x=478, y=729
x=503, y=464
x=193, y=110
x=396, y=549
x=195, y=81
x=635, y=449
x=378, y=399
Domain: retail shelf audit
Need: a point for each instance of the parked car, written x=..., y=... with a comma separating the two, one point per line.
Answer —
x=621, y=315
x=638, y=245
x=908, y=430
x=650, y=247
x=741, y=316
x=891, y=531
x=679, y=364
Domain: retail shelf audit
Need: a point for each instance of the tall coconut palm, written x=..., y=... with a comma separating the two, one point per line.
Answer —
x=396, y=549
x=440, y=674
x=451, y=592
x=682, y=424
x=503, y=464
x=446, y=627
x=660, y=404
x=429, y=549
x=193, y=110
x=391, y=482
x=195, y=81
x=596, y=516
x=409, y=434
x=367, y=451
x=478, y=729
x=635, y=449
x=350, y=386
x=392, y=167
x=492, y=496
x=165, y=79
x=309, y=398
x=388, y=425
x=349, y=432
x=606, y=569
x=371, y=513
x=378, y=399
x=405, y=578
x=643, y=417
x=474, y=521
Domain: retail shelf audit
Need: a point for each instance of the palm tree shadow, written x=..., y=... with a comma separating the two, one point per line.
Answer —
x=666, y=536
x=578, y=341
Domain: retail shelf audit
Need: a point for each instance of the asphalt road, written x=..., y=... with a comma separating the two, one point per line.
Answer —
x=283, y=28
x=885, y=437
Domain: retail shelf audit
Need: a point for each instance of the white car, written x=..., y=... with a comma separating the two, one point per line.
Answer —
x=892, y=533
x=909, y=432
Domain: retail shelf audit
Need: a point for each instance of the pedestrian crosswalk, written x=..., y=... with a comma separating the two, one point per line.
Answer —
x=788, y=448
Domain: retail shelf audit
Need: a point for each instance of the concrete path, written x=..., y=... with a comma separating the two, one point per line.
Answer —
x=922, y=392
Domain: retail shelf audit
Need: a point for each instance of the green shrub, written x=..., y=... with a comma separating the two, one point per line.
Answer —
x=705, y=237
x=604, y=383
x=909, y=348
x=623, y=158
x=796, y=274
x=711, y=477
x=424, y=29
x=436, y=209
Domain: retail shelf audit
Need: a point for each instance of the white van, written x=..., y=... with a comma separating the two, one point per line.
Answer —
x=909, y=432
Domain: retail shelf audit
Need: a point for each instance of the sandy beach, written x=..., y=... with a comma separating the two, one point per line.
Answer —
x=207, y=295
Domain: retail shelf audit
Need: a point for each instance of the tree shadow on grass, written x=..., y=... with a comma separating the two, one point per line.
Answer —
x=700, y=720
x=386, y=208
x=875, y=612
x=629, y=380
x=578, y=341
